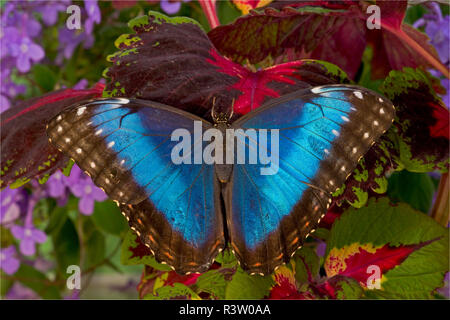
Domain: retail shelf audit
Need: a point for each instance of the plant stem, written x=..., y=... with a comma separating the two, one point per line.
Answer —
x=209, y=8
x=440, y=210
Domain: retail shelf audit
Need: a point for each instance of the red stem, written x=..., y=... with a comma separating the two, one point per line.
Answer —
x=209, y=8
x=416, y=47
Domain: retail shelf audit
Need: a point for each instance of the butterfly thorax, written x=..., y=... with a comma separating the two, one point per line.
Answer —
x=223, y=170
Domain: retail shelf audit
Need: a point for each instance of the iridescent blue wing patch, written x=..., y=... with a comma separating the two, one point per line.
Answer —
x=125, y=146
x=323, y=132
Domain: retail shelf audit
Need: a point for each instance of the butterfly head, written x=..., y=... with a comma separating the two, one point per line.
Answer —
x=219, y=115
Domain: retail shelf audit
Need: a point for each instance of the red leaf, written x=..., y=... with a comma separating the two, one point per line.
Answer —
x=354, y=260
x=25, y=151
x=327, y=35
x=286, y=287
x=333, y=213
x=140, y=251
x=399, y=45
x=187, y=280
x=441, y=127
x=334, y=32
x=253, y=86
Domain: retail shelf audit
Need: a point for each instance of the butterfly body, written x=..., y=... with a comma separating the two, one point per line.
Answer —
x=186, y=211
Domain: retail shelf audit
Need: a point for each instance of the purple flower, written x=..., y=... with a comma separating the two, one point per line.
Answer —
x=50, y=9
x=85, y=189
x=4, y=103
x=436, y=27
x=8, y=260
x=9, y=90
x=28, y=236
x=321, y=248
x=94, y=15
x=25, y=52
x=80, y=85
x=56, y=185
x=69, y=41
x=9, y=209
x=445, y=290
x=9, y=37
x=21, y=292
x=75, y=295
x=171, y=7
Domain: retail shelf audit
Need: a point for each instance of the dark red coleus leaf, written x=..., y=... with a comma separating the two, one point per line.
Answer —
x=140, y=251
x=333, y=32
x=421, y=126
x=172, y=61
x=441, y=127
x=399, y=45
x=25, y=151
x=327, y=35
x=333, y=213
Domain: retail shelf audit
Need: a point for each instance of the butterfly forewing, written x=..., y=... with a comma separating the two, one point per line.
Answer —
x=126, y=148
x=323, y=132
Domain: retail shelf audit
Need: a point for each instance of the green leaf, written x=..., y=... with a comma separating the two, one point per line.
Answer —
x=226, y=258
x=44, y=76
x=212, y=282
x=37, y=281
x=245, y=286
x=95, y=249
x=134, y=253
x=107, y=217
x=346, y=288
x=67, y=246
x=416, y=189
x=177, y=290
x=306, y=263
x=57, y=219
x=5, y=284
x=321, y=233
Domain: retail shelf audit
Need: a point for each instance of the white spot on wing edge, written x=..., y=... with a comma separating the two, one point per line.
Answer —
x=80, y=111
x=111, y=144
x=336, y=133
x=358, y=94
x=316, y=90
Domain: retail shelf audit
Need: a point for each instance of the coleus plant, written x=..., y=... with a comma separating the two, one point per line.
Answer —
x=174, y=61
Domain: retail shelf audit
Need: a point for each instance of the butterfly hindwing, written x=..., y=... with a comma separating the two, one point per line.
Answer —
x=126, y=147
x=323, y=132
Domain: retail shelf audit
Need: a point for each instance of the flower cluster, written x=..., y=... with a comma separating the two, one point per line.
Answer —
x=436, y=27
x=17, y=208
x=21, y=37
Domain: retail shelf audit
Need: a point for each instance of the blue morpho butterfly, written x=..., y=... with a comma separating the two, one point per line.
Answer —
x=187, y=213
